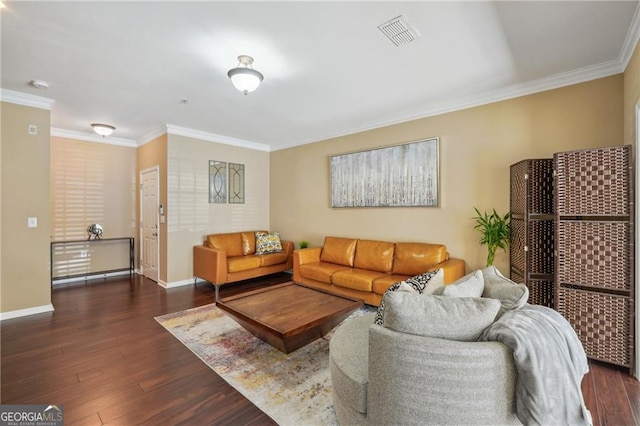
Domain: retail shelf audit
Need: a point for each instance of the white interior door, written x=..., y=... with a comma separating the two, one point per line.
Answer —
x=149, y=206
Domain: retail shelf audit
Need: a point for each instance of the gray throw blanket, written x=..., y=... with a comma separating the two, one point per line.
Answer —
x=550, y=361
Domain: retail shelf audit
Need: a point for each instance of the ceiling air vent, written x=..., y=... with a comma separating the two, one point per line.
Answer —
x=399, y=31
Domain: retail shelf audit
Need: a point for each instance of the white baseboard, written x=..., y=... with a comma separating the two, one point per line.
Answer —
x=182, y=283
x=26, y=312
x=89, y=277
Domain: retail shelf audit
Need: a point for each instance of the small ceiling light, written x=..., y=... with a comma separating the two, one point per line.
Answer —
x=102, y=129
x=244, y=77
x=39, y=84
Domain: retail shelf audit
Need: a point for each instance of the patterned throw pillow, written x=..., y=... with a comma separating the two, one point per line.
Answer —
x=268, y=243
x=417, y=283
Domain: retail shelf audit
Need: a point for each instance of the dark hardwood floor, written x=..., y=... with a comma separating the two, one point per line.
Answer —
x=104, y=358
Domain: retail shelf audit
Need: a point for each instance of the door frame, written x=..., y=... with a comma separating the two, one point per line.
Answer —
x=636, y=245
x=155, y=169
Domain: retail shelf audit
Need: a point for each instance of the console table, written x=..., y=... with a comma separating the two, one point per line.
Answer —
x=130, y=268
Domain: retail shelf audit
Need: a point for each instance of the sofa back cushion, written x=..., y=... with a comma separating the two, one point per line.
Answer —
x=339, y=250
x=452, y=318
x=230, y=243
x=374, y=255
x=416, y=258
x=249, y=242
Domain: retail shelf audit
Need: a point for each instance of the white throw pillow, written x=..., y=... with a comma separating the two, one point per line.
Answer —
x=435, y=286
x=471, y=285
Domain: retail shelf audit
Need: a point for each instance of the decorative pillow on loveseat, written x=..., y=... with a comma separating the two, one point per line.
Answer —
x=417, y=284
x=268, y=243
x=452, y=318
x=510, y=294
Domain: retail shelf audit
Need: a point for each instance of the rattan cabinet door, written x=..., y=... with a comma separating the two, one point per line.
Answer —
x=594, y=239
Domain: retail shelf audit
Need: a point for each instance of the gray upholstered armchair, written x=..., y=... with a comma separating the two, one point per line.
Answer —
x=473, y=352
x=382, y=376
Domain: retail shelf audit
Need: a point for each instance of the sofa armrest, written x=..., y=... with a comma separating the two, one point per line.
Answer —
x=210, y=264
x=453, y=269
x=287, y=247
x=302, y=256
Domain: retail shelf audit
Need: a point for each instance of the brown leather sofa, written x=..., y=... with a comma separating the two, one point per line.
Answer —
x=231, y=257
x=365, y=269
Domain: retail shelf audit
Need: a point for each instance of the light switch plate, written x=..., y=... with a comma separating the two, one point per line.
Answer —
x=32, y=222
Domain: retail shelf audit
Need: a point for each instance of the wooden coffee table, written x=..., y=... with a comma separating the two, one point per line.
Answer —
x=288, y=316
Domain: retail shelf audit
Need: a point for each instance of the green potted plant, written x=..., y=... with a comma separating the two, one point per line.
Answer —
x=304, y=244
x=495, y=231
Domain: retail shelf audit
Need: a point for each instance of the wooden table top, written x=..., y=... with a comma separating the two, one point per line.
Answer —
x=288, y=314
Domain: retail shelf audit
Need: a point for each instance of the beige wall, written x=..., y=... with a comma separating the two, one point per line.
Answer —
x=477, y=146
x=190, y=216
x=151, y=154
x=25, y=165
x=91, y=183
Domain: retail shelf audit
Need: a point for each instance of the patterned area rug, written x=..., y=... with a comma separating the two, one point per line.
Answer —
x=293, y=389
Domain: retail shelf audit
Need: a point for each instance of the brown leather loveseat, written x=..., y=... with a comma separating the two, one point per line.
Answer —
x=232, y=257
x=365, y=269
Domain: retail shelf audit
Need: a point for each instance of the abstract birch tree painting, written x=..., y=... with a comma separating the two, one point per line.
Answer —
x=396, y=176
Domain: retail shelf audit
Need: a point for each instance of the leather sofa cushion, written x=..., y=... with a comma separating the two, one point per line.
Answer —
x=374, y=255
x=416, y=258
x=242, y=263
x=338, y=250
x=249, y=242
x=320, y=271
x=230, y=243
x=382, y=284
x=356, y=279
x=272, y=258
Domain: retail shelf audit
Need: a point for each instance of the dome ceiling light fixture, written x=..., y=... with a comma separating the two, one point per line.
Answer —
x=244, y=77
x=102, y=129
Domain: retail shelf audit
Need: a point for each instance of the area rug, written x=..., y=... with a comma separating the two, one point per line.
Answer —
x=293, y=389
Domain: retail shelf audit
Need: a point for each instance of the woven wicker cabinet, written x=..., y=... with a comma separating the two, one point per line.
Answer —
x=531, y=245
x=594, y=281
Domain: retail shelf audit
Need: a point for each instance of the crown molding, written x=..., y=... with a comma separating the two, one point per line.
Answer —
x=594, y=72
x=212, y=137
x=73, y=134
x=26, y=99
x=631, y=41
x=153, y=135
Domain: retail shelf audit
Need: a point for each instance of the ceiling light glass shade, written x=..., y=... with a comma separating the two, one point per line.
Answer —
x=244, y=77
x=102, y=129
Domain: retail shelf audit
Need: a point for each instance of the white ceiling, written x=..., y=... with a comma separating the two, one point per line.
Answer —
x=328, y=70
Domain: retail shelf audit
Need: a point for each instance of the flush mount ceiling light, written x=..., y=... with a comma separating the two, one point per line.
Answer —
x=102, y=129
x=244, y=77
